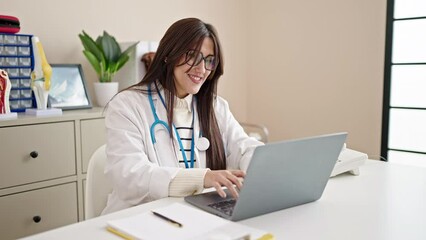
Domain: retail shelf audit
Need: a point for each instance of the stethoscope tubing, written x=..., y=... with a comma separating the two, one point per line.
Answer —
x=157, y=121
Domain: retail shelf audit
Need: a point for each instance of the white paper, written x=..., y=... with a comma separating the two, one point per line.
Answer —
x=197, y=224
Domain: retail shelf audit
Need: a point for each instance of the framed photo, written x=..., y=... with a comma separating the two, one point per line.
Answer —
x=68, y=87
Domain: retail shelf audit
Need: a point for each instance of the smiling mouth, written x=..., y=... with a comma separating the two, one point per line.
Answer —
x=195, y=78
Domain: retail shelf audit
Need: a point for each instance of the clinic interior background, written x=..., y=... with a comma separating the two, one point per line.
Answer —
x=300, y=67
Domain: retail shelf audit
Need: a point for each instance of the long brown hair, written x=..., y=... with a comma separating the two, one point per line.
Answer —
x=182, y=36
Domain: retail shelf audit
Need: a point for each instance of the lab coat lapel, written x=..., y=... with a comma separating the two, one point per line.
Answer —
x=164, y=145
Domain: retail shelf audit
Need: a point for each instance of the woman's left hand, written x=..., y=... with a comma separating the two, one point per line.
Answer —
x=227, y=178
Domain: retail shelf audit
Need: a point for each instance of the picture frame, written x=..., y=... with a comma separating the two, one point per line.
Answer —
x=68, y=87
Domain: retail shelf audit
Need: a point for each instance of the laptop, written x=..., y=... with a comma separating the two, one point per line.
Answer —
x=280, y=175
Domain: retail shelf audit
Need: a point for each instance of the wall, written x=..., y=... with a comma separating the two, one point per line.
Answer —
x=300, y=67
x=317, y=67
x=59, y=23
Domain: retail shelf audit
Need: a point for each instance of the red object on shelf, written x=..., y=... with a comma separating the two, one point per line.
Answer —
x=9, y=24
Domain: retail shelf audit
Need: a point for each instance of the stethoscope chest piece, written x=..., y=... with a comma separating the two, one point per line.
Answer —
x=203, y=144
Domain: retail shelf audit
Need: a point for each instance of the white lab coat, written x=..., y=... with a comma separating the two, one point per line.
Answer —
x=141, y=172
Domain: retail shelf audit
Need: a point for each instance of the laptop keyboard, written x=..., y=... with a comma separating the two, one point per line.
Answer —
x=226, y=206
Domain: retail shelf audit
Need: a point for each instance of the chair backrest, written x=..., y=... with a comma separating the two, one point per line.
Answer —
x=258, y=131
x=97, y=185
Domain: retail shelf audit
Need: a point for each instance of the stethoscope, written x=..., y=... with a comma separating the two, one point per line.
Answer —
x=202, y=143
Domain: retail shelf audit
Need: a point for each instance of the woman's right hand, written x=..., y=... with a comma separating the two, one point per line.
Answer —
x=227, y=178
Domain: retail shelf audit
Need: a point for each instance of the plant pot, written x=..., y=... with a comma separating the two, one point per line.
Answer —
x=104, y=92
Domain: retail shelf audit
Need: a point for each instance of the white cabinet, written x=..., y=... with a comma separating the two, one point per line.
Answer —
x=38, y=210
x=92, y=136
x=43, y=163
x=30, y=153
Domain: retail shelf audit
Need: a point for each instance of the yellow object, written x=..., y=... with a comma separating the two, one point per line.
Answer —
x=267, y=237
x=46, y=68
x=37, y=73
x=118, y=233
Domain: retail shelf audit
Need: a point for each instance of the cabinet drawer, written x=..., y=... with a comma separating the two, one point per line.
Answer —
x=54, y=206
x=92, y=136
x=55, y=147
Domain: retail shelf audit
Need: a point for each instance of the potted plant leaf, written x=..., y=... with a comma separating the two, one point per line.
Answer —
x=106, y=58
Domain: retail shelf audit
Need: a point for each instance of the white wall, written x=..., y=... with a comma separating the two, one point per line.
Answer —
x=317, y=67
x=300, y=67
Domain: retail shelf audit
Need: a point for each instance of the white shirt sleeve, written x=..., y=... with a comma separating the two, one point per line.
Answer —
x=187, y=182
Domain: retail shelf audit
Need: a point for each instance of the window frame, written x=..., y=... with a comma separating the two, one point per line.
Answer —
x=390, y=20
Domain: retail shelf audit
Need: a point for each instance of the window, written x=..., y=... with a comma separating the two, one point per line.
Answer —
x=404, y=101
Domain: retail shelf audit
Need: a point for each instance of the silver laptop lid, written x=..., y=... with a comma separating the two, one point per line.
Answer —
x=287, y=174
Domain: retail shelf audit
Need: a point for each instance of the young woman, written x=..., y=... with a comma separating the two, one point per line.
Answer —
x=170, y=134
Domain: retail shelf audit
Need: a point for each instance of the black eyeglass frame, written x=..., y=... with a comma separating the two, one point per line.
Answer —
x=198, y=59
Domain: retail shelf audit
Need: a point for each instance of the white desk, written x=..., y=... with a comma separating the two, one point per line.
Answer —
x=387, y=201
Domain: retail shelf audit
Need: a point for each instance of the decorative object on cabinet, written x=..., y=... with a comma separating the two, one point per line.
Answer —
x=41, y=74
x=41, y=82
x=147, y=59
x=68, y=90
x=105, y=55
x=107, y=59
x=5, y=87
x=104, y=91
x=9, y=24
x=16, y=57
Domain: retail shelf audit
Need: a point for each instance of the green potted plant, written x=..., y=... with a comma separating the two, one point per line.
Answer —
x=106, y=58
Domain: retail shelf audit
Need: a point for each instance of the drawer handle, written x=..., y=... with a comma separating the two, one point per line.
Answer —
x=37, y=219
x=34, y=154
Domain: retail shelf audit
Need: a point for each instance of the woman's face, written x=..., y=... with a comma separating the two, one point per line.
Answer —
x=190, y=82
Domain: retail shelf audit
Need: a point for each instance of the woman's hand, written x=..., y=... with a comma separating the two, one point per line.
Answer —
x=219, y=178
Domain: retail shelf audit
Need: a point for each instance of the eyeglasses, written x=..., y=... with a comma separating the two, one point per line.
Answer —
x=193, y=58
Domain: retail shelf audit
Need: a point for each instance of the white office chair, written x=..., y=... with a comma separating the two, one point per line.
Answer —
x=97, y=185
x=258, y=131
